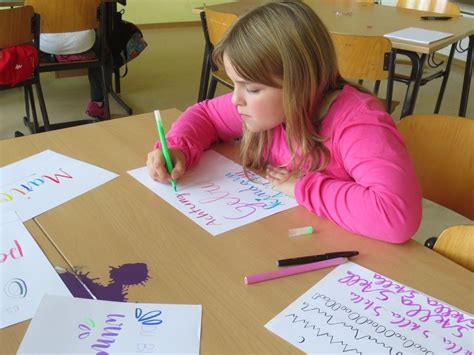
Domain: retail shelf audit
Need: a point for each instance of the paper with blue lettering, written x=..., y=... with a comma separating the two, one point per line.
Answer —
x=21, y=264
x=82, y=326
x=218, y=196
x=354, y=310
x=45, y=180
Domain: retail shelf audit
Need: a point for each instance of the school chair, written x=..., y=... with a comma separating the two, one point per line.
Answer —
x=457, y=244
x=214, y=24
x=20, y=25
x=441, y=148
x=442, y=7
x=59, y=16
x=366, y=58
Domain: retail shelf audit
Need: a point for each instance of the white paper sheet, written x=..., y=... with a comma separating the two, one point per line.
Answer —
x=74, y=325
x=217, y=195
x=25, y=273
x=418, y=35
x=45, y=180
x=356, y=311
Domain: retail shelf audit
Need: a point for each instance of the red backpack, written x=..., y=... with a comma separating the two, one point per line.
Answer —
x=17, y=64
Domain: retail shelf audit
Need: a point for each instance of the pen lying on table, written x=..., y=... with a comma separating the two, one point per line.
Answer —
x=313, y=258
x=293, y=270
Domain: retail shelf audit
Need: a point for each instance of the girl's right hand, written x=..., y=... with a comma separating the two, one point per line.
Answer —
x=157, y=166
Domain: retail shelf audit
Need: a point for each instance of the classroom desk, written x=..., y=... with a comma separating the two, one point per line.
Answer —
x=123, y=222
x=347, y=16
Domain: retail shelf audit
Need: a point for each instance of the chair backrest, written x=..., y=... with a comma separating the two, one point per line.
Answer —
x=444, y=7
x=457, y=243
x=217, y=24
x=441, y=148
x=361, y=57
x=16, y=26
x=59, y=16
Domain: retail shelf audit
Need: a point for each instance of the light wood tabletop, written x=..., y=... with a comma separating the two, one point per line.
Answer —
x=123, y=222
x=367, y=19
x=359, y=18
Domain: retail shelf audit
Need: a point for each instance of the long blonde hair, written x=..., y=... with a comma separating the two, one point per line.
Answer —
x=284, y=44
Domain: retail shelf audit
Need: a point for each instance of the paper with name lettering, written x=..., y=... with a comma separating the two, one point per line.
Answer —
x=25, y=273
x=82, y=326
x=45, y=180
x=216, y=194
x=356, y=311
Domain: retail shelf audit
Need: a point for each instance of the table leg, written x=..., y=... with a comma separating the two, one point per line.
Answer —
x=467, y=78
x=417, y=63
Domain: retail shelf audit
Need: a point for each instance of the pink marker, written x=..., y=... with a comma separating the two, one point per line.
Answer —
x=293, y=270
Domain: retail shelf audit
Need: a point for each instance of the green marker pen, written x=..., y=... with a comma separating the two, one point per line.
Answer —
x=164, y=147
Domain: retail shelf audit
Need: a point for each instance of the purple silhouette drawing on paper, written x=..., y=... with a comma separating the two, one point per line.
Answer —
x=121, y=278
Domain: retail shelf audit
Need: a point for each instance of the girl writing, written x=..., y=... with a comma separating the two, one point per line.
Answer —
x=319, y=139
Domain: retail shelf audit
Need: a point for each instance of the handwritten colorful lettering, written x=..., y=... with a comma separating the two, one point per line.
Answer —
x=65, y=325
x=358, y=311
x=218, y=196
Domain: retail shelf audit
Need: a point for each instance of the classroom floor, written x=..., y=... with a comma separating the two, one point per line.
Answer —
x=166, y=75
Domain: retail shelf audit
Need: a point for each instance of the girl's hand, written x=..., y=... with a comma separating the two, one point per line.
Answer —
x=156, y=165
x=281, y=179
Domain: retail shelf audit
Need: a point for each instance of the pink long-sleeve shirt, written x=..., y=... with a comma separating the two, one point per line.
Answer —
x=369, y=187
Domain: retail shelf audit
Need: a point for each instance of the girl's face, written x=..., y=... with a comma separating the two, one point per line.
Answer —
x=259, y=106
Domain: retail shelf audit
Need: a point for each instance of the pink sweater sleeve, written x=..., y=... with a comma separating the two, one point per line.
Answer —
x=382, y=198
x=201, y=125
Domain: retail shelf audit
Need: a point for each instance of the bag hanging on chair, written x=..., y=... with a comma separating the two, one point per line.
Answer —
x=126, y=42
x=17, y=64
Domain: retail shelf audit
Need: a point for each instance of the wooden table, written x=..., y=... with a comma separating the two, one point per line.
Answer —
x=348, y=16
x=123, y=222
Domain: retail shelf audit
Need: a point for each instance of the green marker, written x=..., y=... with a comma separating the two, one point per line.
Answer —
x=164, y=147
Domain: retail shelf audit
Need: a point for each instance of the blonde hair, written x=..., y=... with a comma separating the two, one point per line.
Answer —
x=284, y=44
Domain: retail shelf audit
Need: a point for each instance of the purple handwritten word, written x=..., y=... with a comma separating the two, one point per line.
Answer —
x=30, y=186
x=368, y=304
x=442, y=315
x=418, y=307
x=242, y=209
x=194, y=210
x=109, y=334
x=456, y=349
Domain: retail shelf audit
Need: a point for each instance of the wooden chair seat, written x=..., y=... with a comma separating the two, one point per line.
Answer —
x=457, y=243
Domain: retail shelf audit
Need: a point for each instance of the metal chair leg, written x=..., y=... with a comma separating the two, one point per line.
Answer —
x=44, y=113
x=212, y=88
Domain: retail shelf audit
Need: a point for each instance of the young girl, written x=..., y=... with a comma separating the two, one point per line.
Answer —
x=321, y=140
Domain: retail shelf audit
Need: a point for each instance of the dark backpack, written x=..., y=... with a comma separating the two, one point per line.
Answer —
x=125, y=42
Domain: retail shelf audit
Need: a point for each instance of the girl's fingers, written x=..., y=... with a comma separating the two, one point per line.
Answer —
x=277, y=174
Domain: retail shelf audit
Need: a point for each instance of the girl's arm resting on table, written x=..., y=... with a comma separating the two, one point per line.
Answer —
x=201, y=125
x=383, y=201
